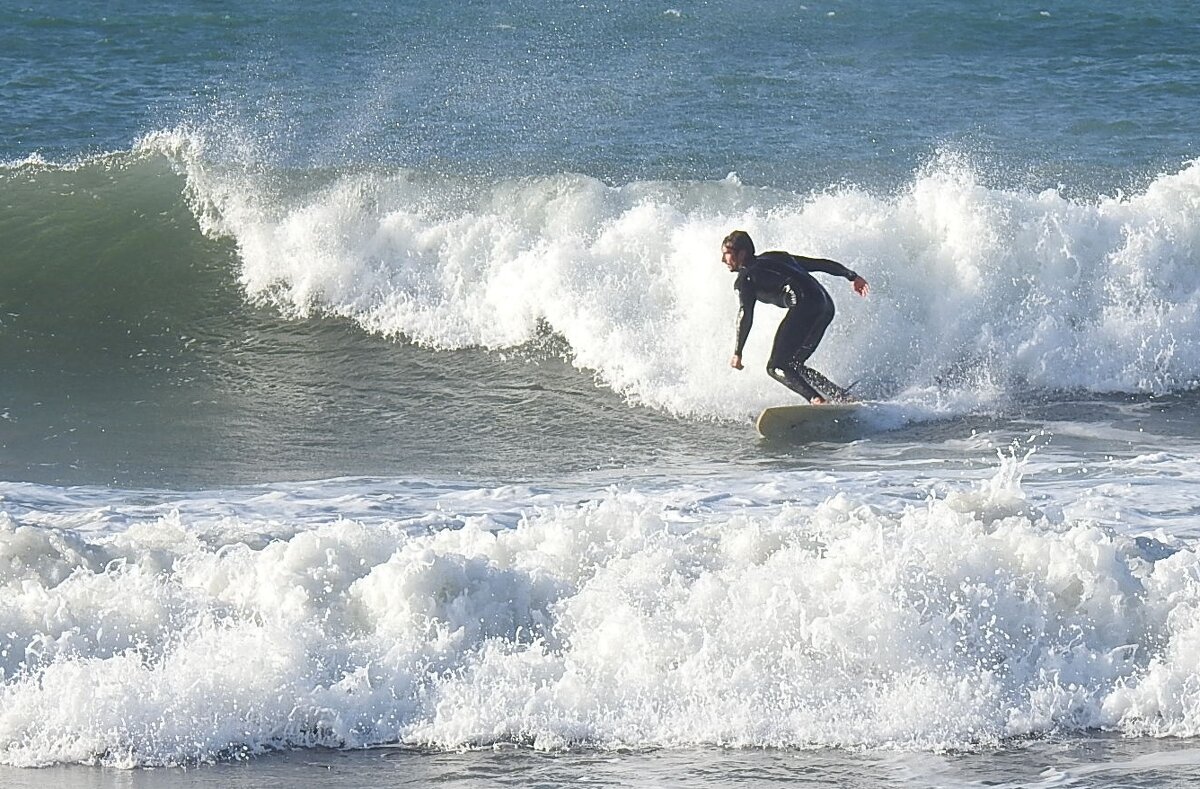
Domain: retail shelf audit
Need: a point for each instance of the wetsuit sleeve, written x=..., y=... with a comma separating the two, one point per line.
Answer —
x=825, y=266
x=745, y=316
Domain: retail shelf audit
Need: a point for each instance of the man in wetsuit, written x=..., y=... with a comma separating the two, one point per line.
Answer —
x=784, y=280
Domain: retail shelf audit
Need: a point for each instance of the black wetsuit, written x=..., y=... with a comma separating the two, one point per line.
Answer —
x=784, y=280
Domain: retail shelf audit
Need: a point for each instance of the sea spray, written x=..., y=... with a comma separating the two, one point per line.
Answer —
x=1030, y=289
x=978, y=293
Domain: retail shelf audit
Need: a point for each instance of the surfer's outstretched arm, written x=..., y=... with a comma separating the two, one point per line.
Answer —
x=833, y=268
x=825, y=266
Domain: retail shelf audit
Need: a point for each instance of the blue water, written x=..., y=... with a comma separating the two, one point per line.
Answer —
x=365, y=386
x=1085, y=94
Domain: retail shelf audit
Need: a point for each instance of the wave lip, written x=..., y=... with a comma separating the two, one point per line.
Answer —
x=978, y=292
x=1027, y=289
x=957, y=623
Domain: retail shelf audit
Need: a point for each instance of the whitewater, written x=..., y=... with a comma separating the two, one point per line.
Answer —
x=876, y=604
x=366, y=416
x=175, y=633
x=1004, y=289
x=1059, y=294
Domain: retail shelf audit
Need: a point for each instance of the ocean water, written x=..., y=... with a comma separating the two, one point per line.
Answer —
x=366, y=417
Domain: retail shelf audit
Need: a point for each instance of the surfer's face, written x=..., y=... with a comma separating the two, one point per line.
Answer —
x=733, y=258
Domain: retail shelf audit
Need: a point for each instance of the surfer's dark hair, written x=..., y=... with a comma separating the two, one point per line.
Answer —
x=739, y=240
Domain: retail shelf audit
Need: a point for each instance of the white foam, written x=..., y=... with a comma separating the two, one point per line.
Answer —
x=974, y=288
x=777, y=616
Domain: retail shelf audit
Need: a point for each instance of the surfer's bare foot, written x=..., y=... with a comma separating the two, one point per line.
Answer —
x=818, y=400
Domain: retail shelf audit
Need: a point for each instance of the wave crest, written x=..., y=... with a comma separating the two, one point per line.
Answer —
x=974, y=288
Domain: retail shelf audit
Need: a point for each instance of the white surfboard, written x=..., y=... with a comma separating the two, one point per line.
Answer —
x=785, y=420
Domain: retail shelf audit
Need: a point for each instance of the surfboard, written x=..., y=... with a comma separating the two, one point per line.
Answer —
x=785, y=420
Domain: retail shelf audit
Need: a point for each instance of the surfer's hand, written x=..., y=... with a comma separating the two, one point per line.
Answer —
x=736, y=361
x=860, y=286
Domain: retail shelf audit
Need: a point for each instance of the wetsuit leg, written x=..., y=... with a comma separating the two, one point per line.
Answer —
x=828, y=389
x=792, y=381
x=797, y=338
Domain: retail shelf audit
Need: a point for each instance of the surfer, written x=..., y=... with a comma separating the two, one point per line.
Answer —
x=784, y=280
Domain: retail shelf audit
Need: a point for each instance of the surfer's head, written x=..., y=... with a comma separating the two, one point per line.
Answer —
x=737, y=249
